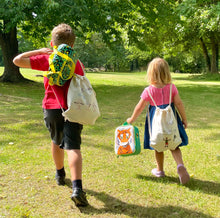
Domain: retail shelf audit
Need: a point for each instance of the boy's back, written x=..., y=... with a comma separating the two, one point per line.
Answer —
x=64, y=134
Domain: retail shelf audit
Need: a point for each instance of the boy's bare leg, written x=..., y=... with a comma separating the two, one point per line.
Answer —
x=58, y=156
x=75, y=164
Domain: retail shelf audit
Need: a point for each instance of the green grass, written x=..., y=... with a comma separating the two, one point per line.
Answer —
x=116, y=187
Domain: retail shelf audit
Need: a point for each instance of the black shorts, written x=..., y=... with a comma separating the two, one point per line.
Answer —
x=63, y=133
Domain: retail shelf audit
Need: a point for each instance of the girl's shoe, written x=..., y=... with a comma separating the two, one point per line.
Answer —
x=157, y=173
x=183, y=174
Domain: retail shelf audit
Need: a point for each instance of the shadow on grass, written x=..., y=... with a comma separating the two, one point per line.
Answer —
x=115, y=206
x=112, y=205
x=194, y=184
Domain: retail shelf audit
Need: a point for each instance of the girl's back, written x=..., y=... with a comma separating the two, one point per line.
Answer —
x=160, y=95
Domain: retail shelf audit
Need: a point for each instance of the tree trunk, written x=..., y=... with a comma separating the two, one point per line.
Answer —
x=206, y=54
x=9, y=45
x=214, y=62
x=217, y=58
x=132, y=66
x=137, y=64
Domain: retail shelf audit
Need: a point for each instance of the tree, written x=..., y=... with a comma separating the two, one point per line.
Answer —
x=36, y=18
x=156, y=27
x=172, y=26
x=201, y=20
x=22, y=13
x=9, y=45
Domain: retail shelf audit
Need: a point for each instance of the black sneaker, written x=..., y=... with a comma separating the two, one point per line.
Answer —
x=60, y=179
x=79, y=197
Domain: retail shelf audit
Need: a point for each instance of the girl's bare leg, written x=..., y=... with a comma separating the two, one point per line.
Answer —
x=181, y=170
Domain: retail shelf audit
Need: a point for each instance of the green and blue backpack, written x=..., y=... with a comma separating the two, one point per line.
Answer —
x=62, y=64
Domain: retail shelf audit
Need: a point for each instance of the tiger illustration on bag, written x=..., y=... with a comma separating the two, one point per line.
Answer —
x=127, y=140
x=124, y=141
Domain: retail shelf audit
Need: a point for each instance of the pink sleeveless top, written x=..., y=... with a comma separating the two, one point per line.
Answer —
x=160, y=95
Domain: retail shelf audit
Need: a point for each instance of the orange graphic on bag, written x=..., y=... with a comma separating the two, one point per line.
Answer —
x=123, y=140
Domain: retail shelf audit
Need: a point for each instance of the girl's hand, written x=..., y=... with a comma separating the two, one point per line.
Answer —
x=129, y=120
x=185, y=123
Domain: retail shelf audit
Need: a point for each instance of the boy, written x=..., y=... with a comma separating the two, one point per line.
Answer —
x=64, y=134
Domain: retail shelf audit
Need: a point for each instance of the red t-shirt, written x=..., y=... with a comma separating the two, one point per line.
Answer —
x=41, y=62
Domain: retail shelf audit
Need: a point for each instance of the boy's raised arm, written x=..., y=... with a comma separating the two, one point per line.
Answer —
x=23, y=59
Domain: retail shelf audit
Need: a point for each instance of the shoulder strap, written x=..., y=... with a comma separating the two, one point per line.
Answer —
x=57, y=99
x=66, y=57
x=151, y=97
x=170, y=93
x=148, y=112
x=148, y=119
x=84, y=73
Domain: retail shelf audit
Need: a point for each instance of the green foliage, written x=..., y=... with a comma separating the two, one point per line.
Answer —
x=174, y=27
x=133, y=30
x=202, y=17
x=95, y=53
x=184, y=63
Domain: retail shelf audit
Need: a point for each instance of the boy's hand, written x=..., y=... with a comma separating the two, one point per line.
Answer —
x=23, y=60
x=45, y=51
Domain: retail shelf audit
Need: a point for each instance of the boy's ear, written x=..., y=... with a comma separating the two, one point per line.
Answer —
x=51, y=43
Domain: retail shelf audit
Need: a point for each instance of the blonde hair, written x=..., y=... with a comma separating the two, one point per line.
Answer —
x=158, y=72
x=63, y=34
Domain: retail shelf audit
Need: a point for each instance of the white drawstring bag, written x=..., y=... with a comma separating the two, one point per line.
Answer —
x=164, y=133
x=81, y=100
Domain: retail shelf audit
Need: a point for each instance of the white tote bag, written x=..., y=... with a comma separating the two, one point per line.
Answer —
x=81, y=100
x=164, y=133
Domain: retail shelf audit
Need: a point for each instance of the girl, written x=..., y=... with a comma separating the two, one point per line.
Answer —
x=159, y=77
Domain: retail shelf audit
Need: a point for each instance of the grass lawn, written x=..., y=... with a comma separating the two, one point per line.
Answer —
x=116, y=187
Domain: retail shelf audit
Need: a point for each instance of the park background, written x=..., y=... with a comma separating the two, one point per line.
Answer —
x=115, y=40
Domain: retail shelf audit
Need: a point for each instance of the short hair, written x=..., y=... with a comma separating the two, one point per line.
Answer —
x=63, y=34
x=158, y=72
